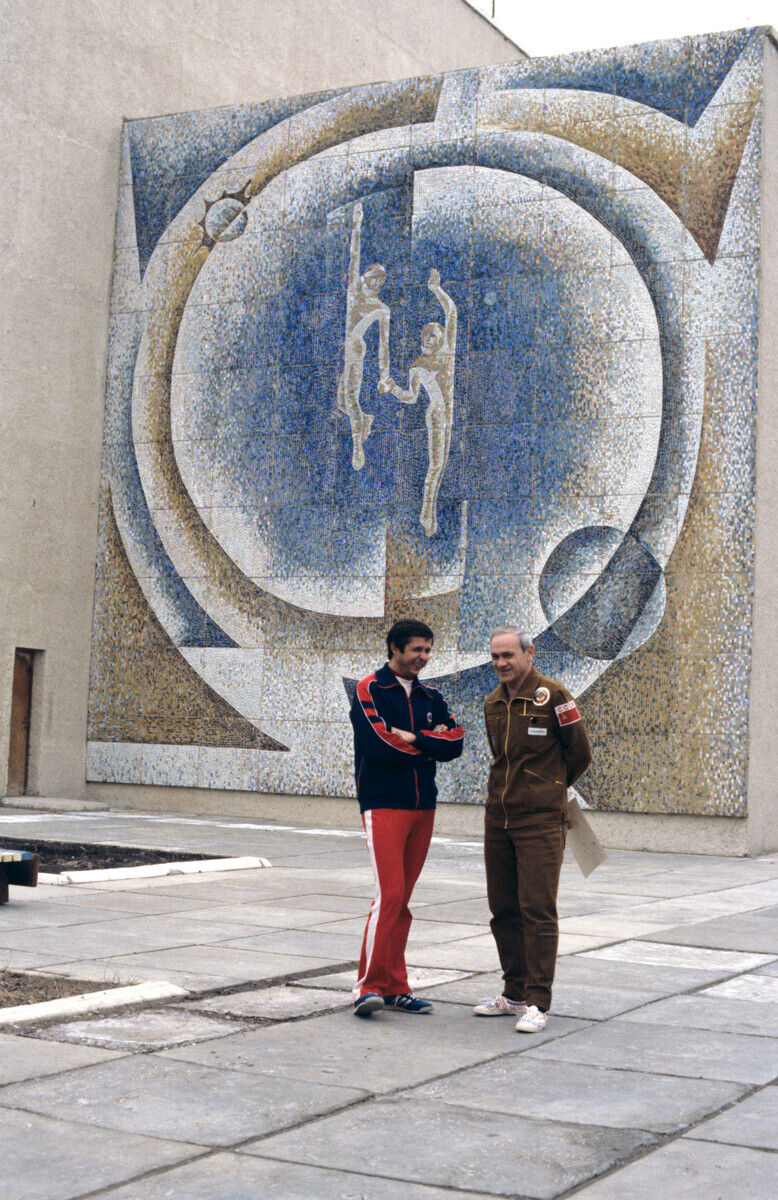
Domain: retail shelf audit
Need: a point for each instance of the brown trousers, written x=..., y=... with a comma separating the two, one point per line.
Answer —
x=522, y=880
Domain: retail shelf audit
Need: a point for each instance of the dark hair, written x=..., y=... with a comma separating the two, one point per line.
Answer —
x=403, y=631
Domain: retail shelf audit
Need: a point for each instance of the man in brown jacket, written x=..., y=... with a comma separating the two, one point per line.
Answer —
x=539, y=748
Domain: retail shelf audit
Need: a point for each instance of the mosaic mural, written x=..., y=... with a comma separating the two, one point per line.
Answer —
x=479, y=348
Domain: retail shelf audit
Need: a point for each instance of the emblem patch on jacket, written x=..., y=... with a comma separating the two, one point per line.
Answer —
x=567, y=714
x=429, y=718
x=541, y=697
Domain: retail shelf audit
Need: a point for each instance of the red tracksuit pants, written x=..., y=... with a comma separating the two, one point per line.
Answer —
x=397, y=841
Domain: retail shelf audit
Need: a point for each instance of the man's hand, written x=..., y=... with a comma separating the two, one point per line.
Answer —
x=440, y=729
x=385, y=386
x=410, y=738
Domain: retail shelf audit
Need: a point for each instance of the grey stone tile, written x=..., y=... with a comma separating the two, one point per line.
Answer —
x=465, y=912
x=420, y=978
x=423, y=932
x=591, y=1003
x=201, y=968
x=688, y=1170
x=661, y=954
x=584, y=970
x=753, y=1122
x=146, y=903
x=497, y=1153
x=275, y=1003
x=180, y=1101
x=339, y=905
x=756, y=986
x=29, y=1058
x=234, y=1176
x=112, y=936
x=567, y=1092
x=697, y=1053
x=45, y=1159
x=751, y=932
x=39, y=914
x=266, y=917
x=149, y=1029
x=391, y=1050
x=711, y=1011
x=333, y=947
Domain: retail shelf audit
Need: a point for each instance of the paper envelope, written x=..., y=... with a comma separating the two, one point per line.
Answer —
x=582, y=840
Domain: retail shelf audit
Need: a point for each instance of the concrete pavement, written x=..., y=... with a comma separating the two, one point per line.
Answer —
x=656, y=1073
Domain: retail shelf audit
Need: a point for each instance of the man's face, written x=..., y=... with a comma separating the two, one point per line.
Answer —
x=511, y=663
x=412, y=659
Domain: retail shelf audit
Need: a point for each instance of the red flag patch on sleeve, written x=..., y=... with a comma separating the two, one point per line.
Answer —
x=567, y=714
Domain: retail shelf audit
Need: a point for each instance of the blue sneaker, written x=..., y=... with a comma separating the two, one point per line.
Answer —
x=366, y=1005
x=408, y=1003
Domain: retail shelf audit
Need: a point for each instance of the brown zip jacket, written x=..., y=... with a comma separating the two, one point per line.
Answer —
x=539, y=748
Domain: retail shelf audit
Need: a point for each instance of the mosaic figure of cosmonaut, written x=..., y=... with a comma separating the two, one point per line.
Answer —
x=363, y=309
x=433, y=370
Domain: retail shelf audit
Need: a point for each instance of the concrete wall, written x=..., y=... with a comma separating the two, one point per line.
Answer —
x=762, y=779
x=70, y=72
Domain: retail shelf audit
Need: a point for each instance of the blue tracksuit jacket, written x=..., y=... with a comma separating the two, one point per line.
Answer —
x=389, y=772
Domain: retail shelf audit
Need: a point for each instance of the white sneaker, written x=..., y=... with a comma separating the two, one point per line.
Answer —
x=500, y=1006
x=533, y=1020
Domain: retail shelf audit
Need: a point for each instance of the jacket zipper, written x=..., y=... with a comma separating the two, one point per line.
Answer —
x=507, y=763
x=415, y=773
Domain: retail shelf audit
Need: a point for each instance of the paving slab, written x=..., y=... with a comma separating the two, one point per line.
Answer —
x=282, y=1003
x=750, y=932
x=234, y=1176
x=314, y=943
x=145, y=903
x=390, y=1050
x=696, y=1053
x=689, y=1170
x=592, y=1003
x=45, y=1159
x=179, y=1101
x=261, y=918
x=202, y=968
x=585, y=1095
x=755, y=986
x=465, y=912
x=753, y=1122
x=585, y=970
x=112, y=936
x=496, y=1153
x=27, y=1058
x=37, y=914
x=149, y=1029
x=423, y=932
x=420, y=979
x=339, y=905
x=610, y=927
x=661, y=954
x=706, y=1011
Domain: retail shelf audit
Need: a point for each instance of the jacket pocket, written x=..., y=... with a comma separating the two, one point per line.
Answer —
x=543, y=791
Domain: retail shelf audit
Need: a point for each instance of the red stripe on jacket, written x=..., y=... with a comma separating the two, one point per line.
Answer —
x=379, y=726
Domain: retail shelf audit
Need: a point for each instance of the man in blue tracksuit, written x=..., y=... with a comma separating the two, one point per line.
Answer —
x=402, y=728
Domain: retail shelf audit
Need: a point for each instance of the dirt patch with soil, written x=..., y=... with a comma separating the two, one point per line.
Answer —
x=17, y=987
x=56, y=857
